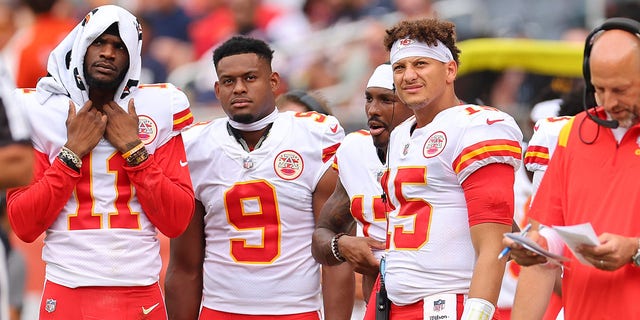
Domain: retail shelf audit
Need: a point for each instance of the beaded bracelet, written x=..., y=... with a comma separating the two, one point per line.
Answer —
x=334, y=247
x=70, y=159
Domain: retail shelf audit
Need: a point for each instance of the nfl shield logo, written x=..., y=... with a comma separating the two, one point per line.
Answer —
x=50, y=305
x=438, y=305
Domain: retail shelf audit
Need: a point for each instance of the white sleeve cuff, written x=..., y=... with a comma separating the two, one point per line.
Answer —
x=478, y=309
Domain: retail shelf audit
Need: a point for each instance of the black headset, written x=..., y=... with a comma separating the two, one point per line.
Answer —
x=625, y=24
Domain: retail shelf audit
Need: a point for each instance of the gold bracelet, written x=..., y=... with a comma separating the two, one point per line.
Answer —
x=133, y=150
x=137, y=157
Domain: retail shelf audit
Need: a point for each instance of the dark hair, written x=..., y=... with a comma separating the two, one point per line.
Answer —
x=40, y=6
x=240, y=45
x=113, y=30
x=427, y=31
x=312, y=101
x=572, y=101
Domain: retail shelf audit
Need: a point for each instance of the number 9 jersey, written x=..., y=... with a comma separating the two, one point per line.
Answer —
x=259, y=217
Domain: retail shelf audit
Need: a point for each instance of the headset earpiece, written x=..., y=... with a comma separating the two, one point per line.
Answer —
x=617, y=23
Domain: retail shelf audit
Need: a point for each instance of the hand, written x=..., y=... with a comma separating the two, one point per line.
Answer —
x=122, y=127
x=357, y=251
x=84, y=129
x=613, y=252
x=523, y=256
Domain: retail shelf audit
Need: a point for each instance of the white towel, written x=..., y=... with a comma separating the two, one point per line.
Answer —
x=65, y=63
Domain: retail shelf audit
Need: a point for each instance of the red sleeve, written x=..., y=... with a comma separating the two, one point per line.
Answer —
x=32, y=209
x=489, y=194
x=164, y=189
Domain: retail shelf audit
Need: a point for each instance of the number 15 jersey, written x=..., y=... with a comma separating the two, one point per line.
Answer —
x=430, y=249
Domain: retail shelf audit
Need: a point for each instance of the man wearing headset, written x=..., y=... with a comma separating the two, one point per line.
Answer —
x=592, y=177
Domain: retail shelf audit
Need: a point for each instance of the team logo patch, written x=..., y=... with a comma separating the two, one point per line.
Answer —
x=288, y=165
x=438, y=305
x=147, y=129
x=50, y=305
x=434, y=145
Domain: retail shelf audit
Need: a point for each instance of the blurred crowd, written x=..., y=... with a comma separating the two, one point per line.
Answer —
x=325, y=46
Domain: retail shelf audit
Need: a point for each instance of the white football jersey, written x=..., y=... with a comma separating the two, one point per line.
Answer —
x=430, y=249
x=102, y=236
x=259, y=218
x=360, y=171
x=543, y=142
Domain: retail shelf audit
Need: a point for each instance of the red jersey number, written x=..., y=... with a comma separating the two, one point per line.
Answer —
x=253, y=206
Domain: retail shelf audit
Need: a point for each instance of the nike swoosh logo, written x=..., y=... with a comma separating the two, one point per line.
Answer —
x=183, y=163
x=148, y=310
x=490, y=122
x=334, y=129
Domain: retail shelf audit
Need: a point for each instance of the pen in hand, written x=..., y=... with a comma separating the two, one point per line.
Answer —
x=507, y=249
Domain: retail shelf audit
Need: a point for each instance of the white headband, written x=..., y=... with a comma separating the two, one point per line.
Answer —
x=411, y=48
x=382, y=77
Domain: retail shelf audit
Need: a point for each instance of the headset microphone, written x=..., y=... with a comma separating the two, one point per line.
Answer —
x=612, y=124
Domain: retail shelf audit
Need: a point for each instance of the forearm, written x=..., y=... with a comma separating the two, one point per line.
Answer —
x=183, y=294
x=335, y=217
x=321, y=247
x=487, y=278
x=535, y=285
x=489, y=270
x=184, y=277
x=338, y=291
x=34, y=208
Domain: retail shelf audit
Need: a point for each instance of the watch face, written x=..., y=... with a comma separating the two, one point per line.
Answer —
x=636, y=258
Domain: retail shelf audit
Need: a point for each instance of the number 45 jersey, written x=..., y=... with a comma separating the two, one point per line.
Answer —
x=259, y=218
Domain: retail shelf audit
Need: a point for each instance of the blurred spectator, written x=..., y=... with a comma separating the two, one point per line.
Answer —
x=16, y=262
x=153, y=70
x=322, y=13
x=7, y=26
x=167, y=18
x=34, y=42
x=166, y=39
x=415, y=9
x=246, y=17
x=623, y=8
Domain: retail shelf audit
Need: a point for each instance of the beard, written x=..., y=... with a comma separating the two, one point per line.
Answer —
x=628, y=122
x=104, y=84
x=243, y=118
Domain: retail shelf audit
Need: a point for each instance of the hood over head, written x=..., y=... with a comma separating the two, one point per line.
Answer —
x=65, y=65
